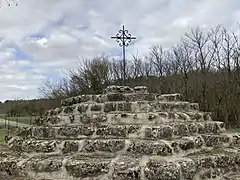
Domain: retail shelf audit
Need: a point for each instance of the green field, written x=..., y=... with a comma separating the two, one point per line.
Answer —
x=21, y=119
x=3, y=133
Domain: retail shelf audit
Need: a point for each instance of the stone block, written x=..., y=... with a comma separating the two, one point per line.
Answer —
x=70, y=146
x=118, y=89
x=96, y=107
x=126, y=168
x=141, y=89
x=109, y=130
x=103, y=145
x=162, y=170
x=149, y=147
x=110, y=106
x=115, y=97
x=124, y=106
x=140, y=97
x=87, y=167
x=44, y=163
x=92, y=118
x=71, y=131
x=43, y=132
x=215, y=140
x=68, y=109
x=39, y=146
x=188, y=168
x=180, y=129
x=159, y=132
x=170, y=97
x=82, y=108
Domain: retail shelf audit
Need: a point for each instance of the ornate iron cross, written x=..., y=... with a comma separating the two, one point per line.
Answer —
x=124, y=38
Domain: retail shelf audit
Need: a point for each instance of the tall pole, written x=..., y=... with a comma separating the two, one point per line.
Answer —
x=123, y=38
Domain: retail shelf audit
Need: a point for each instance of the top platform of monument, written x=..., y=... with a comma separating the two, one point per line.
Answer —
x=121, y=93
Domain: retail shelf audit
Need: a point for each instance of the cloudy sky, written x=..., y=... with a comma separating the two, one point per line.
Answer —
x=44, y=38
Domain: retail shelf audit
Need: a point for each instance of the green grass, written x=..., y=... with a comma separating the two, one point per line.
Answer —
x=234, y=130
x=3, y=133
x=21, y=119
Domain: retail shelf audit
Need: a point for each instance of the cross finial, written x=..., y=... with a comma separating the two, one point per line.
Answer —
x=124, y=38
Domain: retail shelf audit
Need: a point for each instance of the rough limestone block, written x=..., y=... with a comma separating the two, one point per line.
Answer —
x=71, y=131
x=115, y=97
x=39, y=146
x=188, y=168
x=124, y=106
x=108, y=130
x=126, y=168
x=180, y=129
x=133, y=129
x=92, y=118
x=10, y=167
x=103, y=145
x=110, y=106
x=159, y=132
x=96, y=107
x=82, y=168
x=82, y=108
x=149, y=147
x=170, y=97
x=43, y=132
x=118, y=89
x=162, y=170
x=141, y=89
x=215, y=140
x=140, y=97
x=99, y=98
x=70, y=146
x=44, y=163
x=193, y=128
x=69, y=109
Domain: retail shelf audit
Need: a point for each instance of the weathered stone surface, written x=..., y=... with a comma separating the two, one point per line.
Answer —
x=150, y=147
x=188, y=168
x=82, y=108
x=141, y=89
x=124, y=133
x=108, y=107
x=71, y=131
x=103, y=145
x=115, y=97
x=43, y=132
x=124, y=106
x=39, y=146
x=215, y=140
x=83, y=167
x=44, y=163
x=162, y=170
x=96, y=107
x=170, y=97
x=118, y=89
x=160, y=132
x=92, y=118
x=126, y=167
x=106, y=130
x=70, y=146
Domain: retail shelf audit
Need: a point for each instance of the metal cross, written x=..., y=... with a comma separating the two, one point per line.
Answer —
x=123, y=38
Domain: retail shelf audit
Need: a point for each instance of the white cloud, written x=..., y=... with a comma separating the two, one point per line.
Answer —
x=44, y=38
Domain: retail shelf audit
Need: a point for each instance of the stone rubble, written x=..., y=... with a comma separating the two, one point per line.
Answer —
x=124, y=133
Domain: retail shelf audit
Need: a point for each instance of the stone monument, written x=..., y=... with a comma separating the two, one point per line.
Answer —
x=124, y=133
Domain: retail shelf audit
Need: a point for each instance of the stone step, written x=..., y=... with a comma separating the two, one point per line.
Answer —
x=124, y=118
x=129, y=97
x=134, y=107
x=201, y=165
x=152, y=131
x=135, y=146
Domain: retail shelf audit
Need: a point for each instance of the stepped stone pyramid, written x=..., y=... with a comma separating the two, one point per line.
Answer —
x=124, y=133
